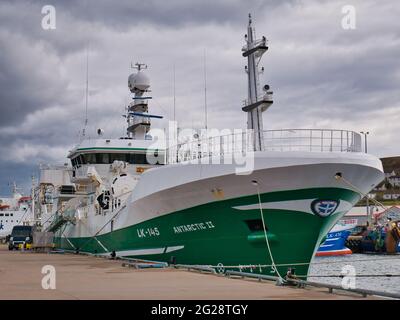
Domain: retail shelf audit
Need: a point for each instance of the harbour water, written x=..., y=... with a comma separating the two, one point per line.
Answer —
x=370, y=271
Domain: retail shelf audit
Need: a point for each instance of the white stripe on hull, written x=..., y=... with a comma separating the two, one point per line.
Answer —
x=144, y=252
x=293, y=205
x=332, y=239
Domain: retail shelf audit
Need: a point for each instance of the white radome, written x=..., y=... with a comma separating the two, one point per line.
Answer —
x=139, y=81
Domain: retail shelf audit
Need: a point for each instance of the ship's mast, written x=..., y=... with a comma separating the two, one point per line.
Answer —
x=257, y=102
x=15, y=191
x=86, y=95
x=14, y=188
x=33, y=199
x=137, y=116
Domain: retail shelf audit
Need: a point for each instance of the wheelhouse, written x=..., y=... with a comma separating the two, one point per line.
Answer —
x=133, y=156
x=109, y=158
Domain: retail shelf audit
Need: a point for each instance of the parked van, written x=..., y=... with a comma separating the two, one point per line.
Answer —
x=21, y=235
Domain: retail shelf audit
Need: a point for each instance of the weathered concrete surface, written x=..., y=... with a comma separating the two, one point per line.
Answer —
x=83, y=277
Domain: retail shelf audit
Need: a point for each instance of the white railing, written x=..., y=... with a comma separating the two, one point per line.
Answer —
x=313, y=140
x=302, y=140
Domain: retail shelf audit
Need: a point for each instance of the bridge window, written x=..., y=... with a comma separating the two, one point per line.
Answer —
x=79, y=160
x=137, y=158
x=90, y=158
x=108, y=158
x=118, y=156
x=102, y=158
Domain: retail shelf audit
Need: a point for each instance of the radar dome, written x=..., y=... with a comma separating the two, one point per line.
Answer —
x=138, y=81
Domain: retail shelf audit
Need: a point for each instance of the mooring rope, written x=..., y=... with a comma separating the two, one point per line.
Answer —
x=265, y=234
x=51, y=216
x=94, y=236
x=23, y=216
x=66, y=238
x=339, y=177
x=258, y=266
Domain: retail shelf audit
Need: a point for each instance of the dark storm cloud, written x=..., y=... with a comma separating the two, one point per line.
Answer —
x=29, y=78
x=10, y=173
x=125, y=14
x=28, y=63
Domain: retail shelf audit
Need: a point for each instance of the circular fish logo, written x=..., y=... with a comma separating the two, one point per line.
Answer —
x=324, y=208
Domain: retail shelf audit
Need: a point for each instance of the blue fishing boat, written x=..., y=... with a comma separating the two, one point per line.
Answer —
x=335, y=242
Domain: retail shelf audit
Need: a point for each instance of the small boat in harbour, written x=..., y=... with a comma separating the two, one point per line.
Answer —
x=335, y=242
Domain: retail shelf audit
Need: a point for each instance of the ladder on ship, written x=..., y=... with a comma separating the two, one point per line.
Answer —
x=58, y=222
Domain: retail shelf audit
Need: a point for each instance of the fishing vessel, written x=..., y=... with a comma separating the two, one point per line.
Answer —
x=195, y=207
x=335, y=242
x=14, y=210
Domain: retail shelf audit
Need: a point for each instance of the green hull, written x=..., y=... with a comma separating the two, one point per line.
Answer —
x=216, y=233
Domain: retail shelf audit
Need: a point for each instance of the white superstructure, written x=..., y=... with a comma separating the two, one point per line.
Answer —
x=14, y=210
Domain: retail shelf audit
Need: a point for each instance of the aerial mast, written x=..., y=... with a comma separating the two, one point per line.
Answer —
x=137, y=116
x=86, y=95
x=205, y=91
x=256, y=103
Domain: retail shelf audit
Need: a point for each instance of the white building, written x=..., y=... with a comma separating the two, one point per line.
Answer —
x=394, y=181
x=390, y=174
x=391, y=196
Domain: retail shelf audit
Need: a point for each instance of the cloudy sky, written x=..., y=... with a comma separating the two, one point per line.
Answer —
x=322, y=75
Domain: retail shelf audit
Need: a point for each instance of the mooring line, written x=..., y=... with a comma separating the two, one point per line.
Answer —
x=265, y=234
x=258, y=266
x=363, y=195
x=98, y=231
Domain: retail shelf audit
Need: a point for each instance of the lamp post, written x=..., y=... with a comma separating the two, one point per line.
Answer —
x=369, y=216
